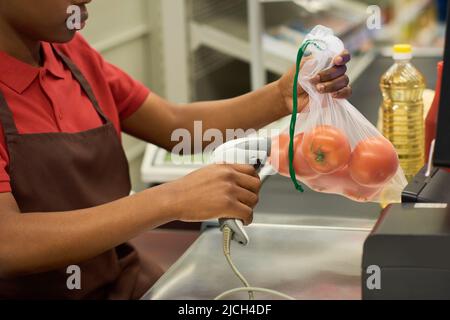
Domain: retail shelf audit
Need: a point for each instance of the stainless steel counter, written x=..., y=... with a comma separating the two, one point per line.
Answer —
x=304, y=262
x=308, y=245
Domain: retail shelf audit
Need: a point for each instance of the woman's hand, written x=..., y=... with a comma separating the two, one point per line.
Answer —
x=333, y=80
x=216, y=191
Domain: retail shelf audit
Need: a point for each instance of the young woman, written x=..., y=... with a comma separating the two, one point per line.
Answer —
x=64, y=181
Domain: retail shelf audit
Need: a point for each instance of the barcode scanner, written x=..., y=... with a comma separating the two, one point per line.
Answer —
x=251, y=150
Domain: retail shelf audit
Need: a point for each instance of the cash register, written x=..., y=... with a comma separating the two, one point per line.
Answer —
x=407, y=254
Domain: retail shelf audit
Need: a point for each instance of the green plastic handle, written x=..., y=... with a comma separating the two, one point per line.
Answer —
x=301, y=53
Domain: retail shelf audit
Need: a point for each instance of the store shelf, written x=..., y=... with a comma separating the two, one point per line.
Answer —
x=234, y=42
x=227, y=32
x=207, y=61
x=230, y=37
x=322, y=5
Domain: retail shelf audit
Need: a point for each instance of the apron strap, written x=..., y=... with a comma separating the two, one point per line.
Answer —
x=83, y=82
x=6, y=117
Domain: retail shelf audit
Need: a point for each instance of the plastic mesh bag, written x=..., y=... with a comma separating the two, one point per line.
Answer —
x=330, y=146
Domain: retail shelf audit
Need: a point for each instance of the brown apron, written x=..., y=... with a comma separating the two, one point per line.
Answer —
x=53, y=172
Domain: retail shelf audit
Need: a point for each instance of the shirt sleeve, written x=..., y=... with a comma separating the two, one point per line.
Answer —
x=4, y=176
x=128, y=93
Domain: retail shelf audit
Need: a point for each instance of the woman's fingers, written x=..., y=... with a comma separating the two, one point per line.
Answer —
x=343, y=93
x=333, y=79
x=248, y=198
x=332, y=73
x=343, y=58
x=251, y=183
x=243, y=212
x=333, y=85
x=244, y=168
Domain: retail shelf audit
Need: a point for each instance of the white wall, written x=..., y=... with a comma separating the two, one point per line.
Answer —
x=127, y=33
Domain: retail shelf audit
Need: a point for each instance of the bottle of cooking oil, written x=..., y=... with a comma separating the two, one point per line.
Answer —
x=403, y=121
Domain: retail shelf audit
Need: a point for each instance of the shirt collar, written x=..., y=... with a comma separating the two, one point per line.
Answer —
x=18, y=75
x=52, y=62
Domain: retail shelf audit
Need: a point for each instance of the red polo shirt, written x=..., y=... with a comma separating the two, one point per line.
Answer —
x=49, y=99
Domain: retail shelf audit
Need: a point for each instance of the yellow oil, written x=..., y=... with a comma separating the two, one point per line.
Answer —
x=402, y=87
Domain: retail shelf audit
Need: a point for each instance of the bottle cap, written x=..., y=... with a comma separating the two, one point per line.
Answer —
x=402, y=52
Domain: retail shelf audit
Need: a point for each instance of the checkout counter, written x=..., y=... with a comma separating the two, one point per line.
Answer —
x=309, y=245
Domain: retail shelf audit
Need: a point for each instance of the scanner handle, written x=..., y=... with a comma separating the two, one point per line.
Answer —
x=243, y=147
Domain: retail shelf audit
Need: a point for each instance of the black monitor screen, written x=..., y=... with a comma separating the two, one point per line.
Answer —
x=442, y=148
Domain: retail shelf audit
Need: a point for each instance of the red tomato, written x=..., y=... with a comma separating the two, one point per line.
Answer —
x=279, y=158
x=330, y=183
x=374, y=162
x=301, y=166
x=318, y=184
x=354, y=190
x=326, y=149
x=340, y=182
